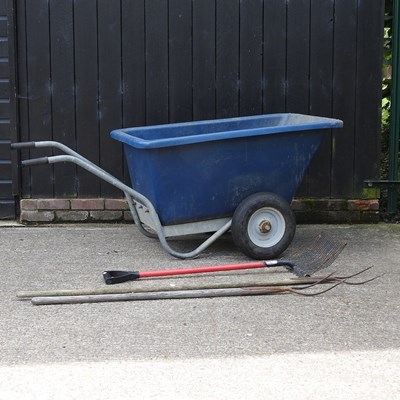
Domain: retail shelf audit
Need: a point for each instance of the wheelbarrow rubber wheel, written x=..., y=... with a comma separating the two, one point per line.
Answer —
x=263, y=226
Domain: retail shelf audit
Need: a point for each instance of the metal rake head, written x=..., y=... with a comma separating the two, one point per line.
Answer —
x=314, y=254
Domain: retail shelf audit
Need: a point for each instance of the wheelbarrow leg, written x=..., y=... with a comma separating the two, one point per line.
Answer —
x=163, y=241
x=136, y=218
x=199, y=249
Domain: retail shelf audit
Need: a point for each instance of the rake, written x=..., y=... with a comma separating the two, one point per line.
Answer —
x=320, y=253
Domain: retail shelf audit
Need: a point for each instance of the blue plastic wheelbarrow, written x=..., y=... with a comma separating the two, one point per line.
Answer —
x=212, y=176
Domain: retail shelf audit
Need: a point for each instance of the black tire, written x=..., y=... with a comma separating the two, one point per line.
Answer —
x=263, y=226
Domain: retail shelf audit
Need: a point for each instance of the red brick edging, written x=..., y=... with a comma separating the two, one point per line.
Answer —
x=74, y=210
x=117, y=210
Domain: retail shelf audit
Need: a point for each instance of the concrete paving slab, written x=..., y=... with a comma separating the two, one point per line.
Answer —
x=306, y=376
x=326, y=333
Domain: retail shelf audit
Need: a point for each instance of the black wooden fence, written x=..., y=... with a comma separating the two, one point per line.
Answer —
x=86, y=67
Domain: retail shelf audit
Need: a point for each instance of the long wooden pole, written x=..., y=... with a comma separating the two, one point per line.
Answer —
x=179, y=294
x=169, y=287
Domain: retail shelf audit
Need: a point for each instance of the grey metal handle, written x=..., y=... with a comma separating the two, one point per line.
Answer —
x=35, y=161
x=23, y=145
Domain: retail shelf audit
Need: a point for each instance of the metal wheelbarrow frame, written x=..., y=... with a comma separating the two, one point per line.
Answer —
x=262, y=222
x=131, y=195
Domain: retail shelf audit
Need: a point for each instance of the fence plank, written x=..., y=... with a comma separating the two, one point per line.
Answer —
x=22, y=92
x=298, y=66
x=227, y=60
x=4, y=69
x=156, y=62
x=39, y=89
x=5, y=150
x=110, y=99
x=298, y=54
x=274, y=56
x=133, y=63
x=133, y=66
x=5, y=169
x=321, y=76
x=5, y=89
x=344, y=96
x=63, y=91
x=86, y=82
x=250, y=53
x=4, y=108
x=3, y=47
x=180, y=60
x=3, y=27
x=203, y=59
x=5, y=191
x=5, y=132
x=7, y=209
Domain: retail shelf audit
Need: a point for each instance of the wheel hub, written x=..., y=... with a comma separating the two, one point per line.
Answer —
x=265, y=226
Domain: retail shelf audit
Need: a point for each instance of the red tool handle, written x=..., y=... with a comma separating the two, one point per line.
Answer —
x=112, y=277
x=199, y=270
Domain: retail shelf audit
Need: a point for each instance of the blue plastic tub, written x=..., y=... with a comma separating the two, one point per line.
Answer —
x=202, y=170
